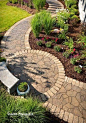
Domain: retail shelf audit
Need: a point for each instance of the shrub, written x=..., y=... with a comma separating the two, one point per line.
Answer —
x=82, y=41
x=39, y=4
x=62, y=35
x=48, y=44
x=73, y=60
x=66, y=54
x=57, y=48
x=39, y=43
x=14, y=1
x=23, y=86
x=10, y=105
x=69, y=3
x=77, y=69
x=2, y=59
x=69, y=43
x=36, y=25
x=66, y=28
x=47, y=21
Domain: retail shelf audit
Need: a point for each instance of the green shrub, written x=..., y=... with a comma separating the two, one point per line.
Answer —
x=82, y=40
x=2, y=59
x=69, y=3
x=14, y=1
x=39, y=4
x=73, y=60
x=48, y=44
x=36, y=25
x=39, y=43
x=77, y=69
x=10, y=105
x=65, y=28
x=23, y=86
x=66, y=54
x=47, y=21
x=69, y=43
x=62, y=35
x=57, y=48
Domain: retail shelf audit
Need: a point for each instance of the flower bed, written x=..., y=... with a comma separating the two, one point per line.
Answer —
x=61, y=36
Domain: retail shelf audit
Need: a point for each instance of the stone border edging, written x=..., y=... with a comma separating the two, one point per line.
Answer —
x=61, y=73
x=62, y=114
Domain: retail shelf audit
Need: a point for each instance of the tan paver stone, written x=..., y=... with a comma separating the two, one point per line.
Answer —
x=64, y=96
x=53, y=90
x=56, y=88
x=68, y=87
x=62, y=90
x=66, y=115
x=78, y=97
x=84, y=85
x=77, y=112
x=75, y=119
x=58, y=85
x=83, y=104
x=74, y=102
x=70, y=106
x=61, y=113
x=57, y=111
x=58, y=82
x=70, y=118
x=69, y=99
x=50, y=93
x=65, y=101
x=81, y=120
x=84, y=113
x=81, y=84
x=53, y=109
x=49, y=106
x=47, y=94
x=71, y=93
x=77, y=83
x=45, y=104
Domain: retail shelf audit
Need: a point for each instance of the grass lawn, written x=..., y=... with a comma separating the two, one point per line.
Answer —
x=10, y=15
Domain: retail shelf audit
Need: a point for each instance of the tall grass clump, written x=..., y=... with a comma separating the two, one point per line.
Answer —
x=39, y=4
x=47, y=21
x=42, y=21
x=36, y=25
x=20, y=110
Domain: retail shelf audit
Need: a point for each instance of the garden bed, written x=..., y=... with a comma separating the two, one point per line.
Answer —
x=74, y=32
x=26, y=8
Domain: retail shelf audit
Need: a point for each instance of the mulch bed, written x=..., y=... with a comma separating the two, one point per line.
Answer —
x=28, y=9
x=74, y=31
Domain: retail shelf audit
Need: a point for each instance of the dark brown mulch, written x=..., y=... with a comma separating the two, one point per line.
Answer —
x=74, y=32
x=28, y=9
x=62, y=3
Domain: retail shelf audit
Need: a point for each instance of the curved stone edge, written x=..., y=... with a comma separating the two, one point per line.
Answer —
x=61, y=73
x=3, y=41
x=62, y=114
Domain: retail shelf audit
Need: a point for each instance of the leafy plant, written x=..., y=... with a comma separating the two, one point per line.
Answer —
x=48, y=44
x=47, y=21
x=73, y=60
x=2, y=59
x=82, y=40
x=69, y=3
x=36, y=25
x=69, y=43
x=26, y=110
x=14, y=1
x=57, y=48
x=39, y=43
x=66, y=54
x=39, y=4
x=62, y=35
x=23, y=86
x=77, y=69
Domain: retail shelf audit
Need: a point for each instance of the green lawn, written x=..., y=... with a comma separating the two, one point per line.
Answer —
x=10, y=15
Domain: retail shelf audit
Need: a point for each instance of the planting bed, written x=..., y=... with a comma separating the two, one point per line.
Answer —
x=74, y=32
x=28, y=9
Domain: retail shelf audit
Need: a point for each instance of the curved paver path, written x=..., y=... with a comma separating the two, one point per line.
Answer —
x=63, y=96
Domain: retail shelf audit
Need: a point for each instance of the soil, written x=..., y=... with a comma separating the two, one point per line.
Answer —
x=74, y=32
x=28, y=9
